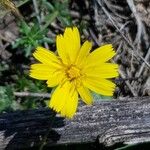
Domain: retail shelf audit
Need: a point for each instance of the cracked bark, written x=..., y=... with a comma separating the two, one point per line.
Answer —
x=110, y=122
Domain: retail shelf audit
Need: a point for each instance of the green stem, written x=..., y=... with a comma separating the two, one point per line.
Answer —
x=50, y=20
x=48, y=131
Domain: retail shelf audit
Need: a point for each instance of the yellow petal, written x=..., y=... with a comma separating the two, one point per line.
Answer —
x=105, y=70
x=58, y=99
x=84, y=51
x=46, y=57
x=100, y=55
x=64, y=100
x=61, y=48
x=68, y=45
x=45, y=72
x=71, y=104
x=41, y=71
x=100, y=86
x=55, y=79
x=85, y=95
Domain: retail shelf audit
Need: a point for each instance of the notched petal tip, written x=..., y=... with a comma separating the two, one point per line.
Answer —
x=30, y=74
x=59, y=36
x=88, y=42
x=110, y=46
x=102, y=54
x=71, y=30
x=90, y=103
x=116, y=70
x=61, y=114
x=75, y=29
x=39, y=48
x=33, y=66
x=34, y=53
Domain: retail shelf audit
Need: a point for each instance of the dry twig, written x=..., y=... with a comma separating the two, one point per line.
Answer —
x=29, y=94
x=136, y=54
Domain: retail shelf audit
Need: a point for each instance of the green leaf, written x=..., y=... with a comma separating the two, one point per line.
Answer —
x=48, y=40
x=25, y=28
x=28, y=51
x=5, y=98
x=97, y=97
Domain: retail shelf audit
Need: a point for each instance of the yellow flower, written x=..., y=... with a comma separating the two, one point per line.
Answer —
x=75, y=71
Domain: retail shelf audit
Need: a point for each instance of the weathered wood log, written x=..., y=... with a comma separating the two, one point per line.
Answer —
x=110, y=122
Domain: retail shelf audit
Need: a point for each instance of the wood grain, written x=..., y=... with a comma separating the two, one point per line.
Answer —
x=109, y=122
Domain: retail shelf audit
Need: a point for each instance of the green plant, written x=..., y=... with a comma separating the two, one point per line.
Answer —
x=62, y=10
x=35, y=34
x=97, y=97
x=31, y=37
x=3, y=67
x=6, y=98
x=24, y=84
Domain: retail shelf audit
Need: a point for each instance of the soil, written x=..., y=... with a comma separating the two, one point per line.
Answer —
x=125, y=24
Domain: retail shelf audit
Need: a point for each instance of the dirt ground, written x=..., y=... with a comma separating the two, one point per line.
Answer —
x=125, y=24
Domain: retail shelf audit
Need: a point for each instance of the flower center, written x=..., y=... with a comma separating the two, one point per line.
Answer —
x=73, y=72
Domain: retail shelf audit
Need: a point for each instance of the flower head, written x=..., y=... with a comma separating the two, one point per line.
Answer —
x=75, y=71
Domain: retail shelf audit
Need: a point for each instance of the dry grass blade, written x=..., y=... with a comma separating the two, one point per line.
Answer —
x=136, y=54
x=9, y=5
x=121, y=23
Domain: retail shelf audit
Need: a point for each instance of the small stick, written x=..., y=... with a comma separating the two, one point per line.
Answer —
x=29, y=94
x=128, y=84
x=140, y=27
x=124, y=37
x=39, y=18
x=143, y=64
x=94, y=37
x=11, y=7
